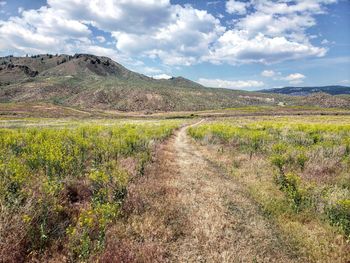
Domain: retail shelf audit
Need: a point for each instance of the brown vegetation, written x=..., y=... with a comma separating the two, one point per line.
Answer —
x=186, y=208
x=296, y=169
x=92, y=82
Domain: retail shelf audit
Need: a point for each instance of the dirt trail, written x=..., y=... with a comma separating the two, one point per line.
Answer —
x=188, y=209
x=225, y=225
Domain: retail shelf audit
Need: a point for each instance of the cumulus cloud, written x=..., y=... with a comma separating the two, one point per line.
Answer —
x=238, y=7
x=149, y=71
x=134, y=16
x=101, y=39
x=345, y=81
x=268, y=73
x=17, y=37
x=173, y=33
x=266, y=32
x=326, y=42
x=237, y=47
x=295, y=78
x=227, y=84
x=41, y=31
x=162, y=76
x=273, y=31
x=185, y=39
x=177, y=35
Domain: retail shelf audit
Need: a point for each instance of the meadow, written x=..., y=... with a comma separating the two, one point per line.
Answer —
x=63, y=182
x=297, y=169
x=103, y=190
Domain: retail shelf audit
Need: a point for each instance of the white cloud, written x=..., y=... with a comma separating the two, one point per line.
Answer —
x=51, y=22
x=150, y=71
x=267, y=32
x=101, y=39
x=182, y=42
x=162, y=76
x=272, y=25
x=88, y=47
x=19, y=37
x=236, y=47
x=2, y=3
x=101, y=51
x=272, y=32
x=268, y=73
x=238, y=7
x=227, y=84
x=327, y=42
x=40, y=31
x=213, y=2
x=345, y=81
x=295, y=78
x=177, y=35
x=134, y=16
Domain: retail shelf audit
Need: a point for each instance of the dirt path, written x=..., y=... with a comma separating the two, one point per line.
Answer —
x=226, y=226
x=197, y=213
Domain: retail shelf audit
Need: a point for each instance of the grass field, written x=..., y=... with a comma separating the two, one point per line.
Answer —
x=259, y=188
x=63, y=182
x=298, y=170
x=40, y=110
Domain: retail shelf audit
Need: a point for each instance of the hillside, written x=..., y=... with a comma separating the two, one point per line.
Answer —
x=86, y=81
x=303, y=91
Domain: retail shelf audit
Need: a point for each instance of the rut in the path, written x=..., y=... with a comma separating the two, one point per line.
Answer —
x=187, y=209
x=225, y=225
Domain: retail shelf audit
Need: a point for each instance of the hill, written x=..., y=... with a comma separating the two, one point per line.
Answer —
x=303, y=91
x=85, y=81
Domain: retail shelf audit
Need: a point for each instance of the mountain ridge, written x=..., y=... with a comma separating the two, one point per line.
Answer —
x=81, y=63
x=303, y=91
x=88, y=81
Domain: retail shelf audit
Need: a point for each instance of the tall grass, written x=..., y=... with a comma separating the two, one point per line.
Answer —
x=311, y=161
x=61, y=188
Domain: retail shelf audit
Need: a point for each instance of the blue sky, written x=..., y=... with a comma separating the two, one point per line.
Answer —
x=249, y=45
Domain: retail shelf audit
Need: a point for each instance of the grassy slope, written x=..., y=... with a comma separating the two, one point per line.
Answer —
x=127, y=95
x=90, y=82
x=332, y=90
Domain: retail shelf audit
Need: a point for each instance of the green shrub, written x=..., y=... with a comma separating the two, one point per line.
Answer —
x=290, y=184
x=279, y=148
x=339, y=215
x=301, y=160
x=279, y=161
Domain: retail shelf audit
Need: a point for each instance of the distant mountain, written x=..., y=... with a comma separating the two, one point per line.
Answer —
x=93, y=82
x=79, y=65
x=182, y=82
x=303, y=91
x=87, y=81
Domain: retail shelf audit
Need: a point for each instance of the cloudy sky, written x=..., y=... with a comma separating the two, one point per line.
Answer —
x=250, y=45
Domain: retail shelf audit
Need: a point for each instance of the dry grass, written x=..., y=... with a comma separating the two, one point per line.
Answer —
x=313, y=238
x=62, y=207
x=187, y=209
x=152, y=217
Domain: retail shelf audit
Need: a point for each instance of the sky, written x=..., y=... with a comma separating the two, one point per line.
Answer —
x=250, y=45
